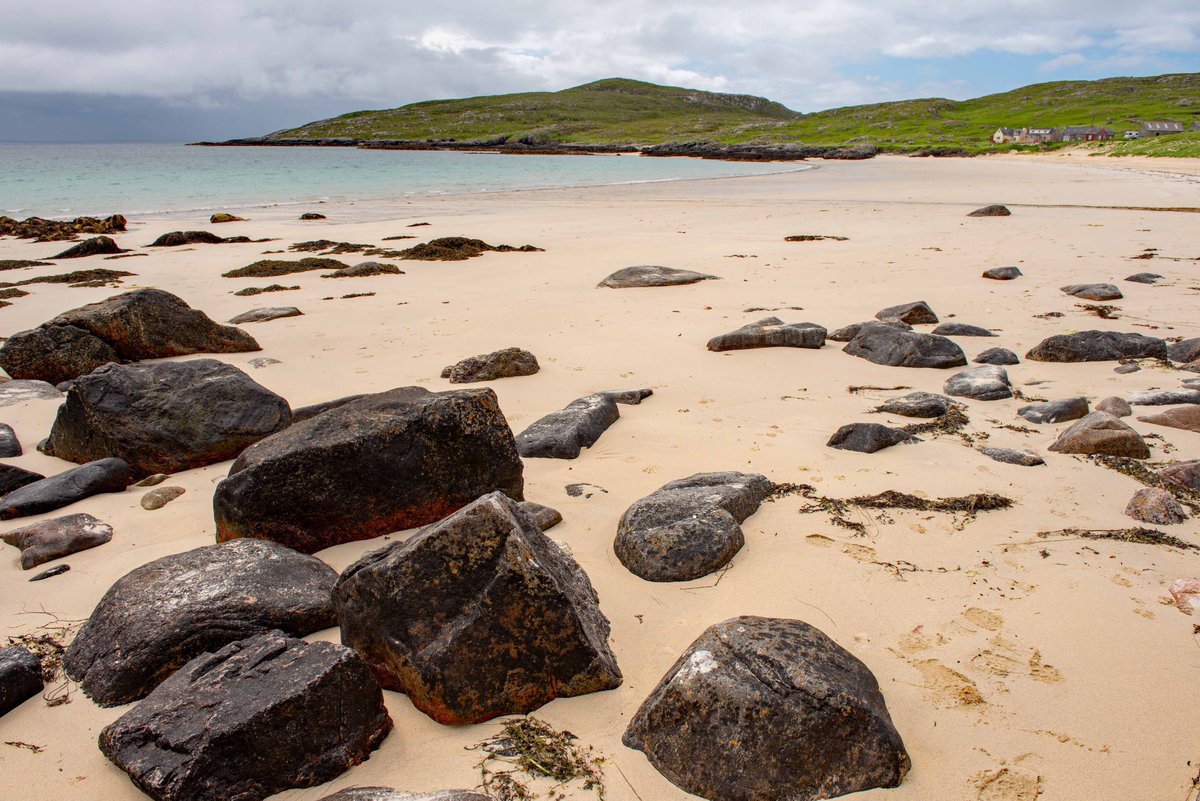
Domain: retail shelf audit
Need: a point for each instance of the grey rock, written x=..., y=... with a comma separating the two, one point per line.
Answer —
x=1126, y=369
x=849, y=332
x=263, y=361
x=55, y=353
x=1022, y=458
x=1093, y=291
x=916, y=313
x=171, y=610
x=57, y=570
x=650, y=275
x=1002, y=273
x=12, y=477
x=9, y=444
x=1164, y=397
x=20, y=677
x=564, y=433
x=55, y=492
x=52, y=539
x=1117, y=407
x=1191, y=383
x=1183, y=474
x=868, y=437
x=1155, y=506
x=308, y=412
x=1102, y=434
x=995, y=210
x=1185, y=351
x=770, y=332
x=767, y=708
x=543, y=516
x=20, y=391
x=388, y=794
x=306, y=712
x=998, y=356
x=986, y=383
x=917, y=404
x=265, y=314
x=158, y=498
x=1056, y=411
x=506, y=363
x=1097, y=346
x=689, y=528
x=513, y=626
x=1144, y=278
x=883, y=344
x=364, y=269
x=961, y=330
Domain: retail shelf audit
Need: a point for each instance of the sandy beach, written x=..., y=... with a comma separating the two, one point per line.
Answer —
x=1084, y=671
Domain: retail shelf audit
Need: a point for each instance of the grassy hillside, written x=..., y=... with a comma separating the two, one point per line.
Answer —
x=1186, y=145
x=619, y=111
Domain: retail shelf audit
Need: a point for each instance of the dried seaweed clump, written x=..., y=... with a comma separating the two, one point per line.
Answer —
x=329, y=247
x=964, y=507
x=48, y=643
x=20, y=264
x=537, y=752
x=258, y=290
x=95, y=277
x=457, y=248
x=952, y=423
x=1141, y=536
x=813, y=238
x=269, y=268
x=1147, y=474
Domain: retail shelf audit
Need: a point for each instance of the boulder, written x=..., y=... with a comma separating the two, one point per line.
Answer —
x=20, y=677
x=1164, y=397
x=769, y=708
x=12, y=477
x=265, y=314
x=1185, y=351
x=21, y=391
x=770, y=332
x=868, y=437
x=364, y=269
x=175, y=239
x=1117, y=407
x=96, y=246
x=916, y=313
x=1183, y=474
x=543, y=517
x=1144, y=278
x=64, y=489
x=312, y=215
x=986, y=383
x=689, y=528
x=883, y=344
x=1002, y=273
x=995, y=210
x=1184, y=417
x=160, y=497
x=650, y=275
x=1155, y=506
x=166, y=416
x=165, y=613
x=999, y=356
x=55, y=353
x=307, y=412
x=1126, y=369
x=1022, y=458
x=961, y=330
x=257, y=717
x=223, y=217
x=9, y=444
x=1056, y=411
x=388, y=794
x=52, y=539
x=506, y=363
x=849, y=332
x=382, y=463
x=1097, y=346
x=1102, y=434
x=477, y=616
x=563, y=434
x=917, y=404
x=1093, y=291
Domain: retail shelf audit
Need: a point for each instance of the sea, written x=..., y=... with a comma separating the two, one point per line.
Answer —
x=63, y=180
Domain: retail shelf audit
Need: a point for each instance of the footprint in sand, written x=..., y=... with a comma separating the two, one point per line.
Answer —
x=1004, y=658
x=1007, y=784
x=947, y=686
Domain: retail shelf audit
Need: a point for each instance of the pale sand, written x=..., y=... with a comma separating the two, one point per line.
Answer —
x=1088, y=679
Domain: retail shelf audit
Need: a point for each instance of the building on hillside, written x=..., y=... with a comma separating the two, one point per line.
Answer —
x=1004, y=135
x=1034, y=135
x=1160, y=128
x=1195, y=126
x=1085, y=133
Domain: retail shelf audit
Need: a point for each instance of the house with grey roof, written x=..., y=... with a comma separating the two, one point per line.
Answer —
x=1160, y=128
x=1085, y=133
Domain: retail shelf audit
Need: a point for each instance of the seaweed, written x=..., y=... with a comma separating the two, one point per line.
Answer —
x=1140, y=536
x=457, y=248
x=40, y=230
x=93, y=277
x=269, y=268
x=1104, y=312
x=813, y=238
x=952, y=423
x=1143, y=473
x=258, y=290
x=838, y=509
x=12, y=292
x=328, y=246
x=48, y=643
x=20, y=264
x=536, y=751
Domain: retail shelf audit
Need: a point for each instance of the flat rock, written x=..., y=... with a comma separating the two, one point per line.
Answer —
x=768, y=708
x=1126, y=369
x=169, y=611
x=1055, y=411
x=917, y=404
x=1164, y=397
x=52, y=539
x=20, y=677
x=382, y=463
x=1022, y=458
x=388, y=794
x=916, y=313
x=1155, y=506
x=1102, y=434
x=961, y=330
x=849, y=332
x=306, y=712
x=266, y=314
x=1184, y=417
x=20, y=391
x=1144, y=278
x=12, y=477
x=883, y=344
x=1183, y=474
x=986, y=383
x=998, y=356
x=1185, y=351
x=1093, y=291
x=158, y=498
x=263, y=361
x=564, y=433
x=9, y=444
x=543, y=517
x=166, y=416
x=650, y=275
x=1117, y=407
x=689, y=528
x=868, y=437
x=995, y=210
x=365, y=269
x=64, y=489
x=95, y=246
x=512, y=626
x=506, y=363
x=1097, y=346
x=1002, y=273
x=770, y=332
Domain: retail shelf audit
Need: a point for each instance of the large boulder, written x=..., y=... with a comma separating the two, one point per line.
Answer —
x=378, y=464
x=10, y=445
x=1184, y=417
x=689, y=528
x=884, y=344
x=1093, y=291
x=476, y=616
x=916, y=313
x=506, y=363
x=564, y=433
x=962, y=330
x=257, y=717
x=770, y=332
x=1055, y=411
x=986, y=383
x=1097, y=346
x=142, y=324
x=64, y=489
x=47, y=540
x=868, y=437
x=165, y=417
x=1100, y=433
x=163, y=614
x=1185, y=351
x=650, y=275
x=20, y=677
x=767, y=708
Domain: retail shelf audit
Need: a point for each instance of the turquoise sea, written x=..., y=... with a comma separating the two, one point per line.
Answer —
x=71, y=179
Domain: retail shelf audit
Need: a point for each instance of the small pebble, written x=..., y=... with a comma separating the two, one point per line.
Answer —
x=151, y=481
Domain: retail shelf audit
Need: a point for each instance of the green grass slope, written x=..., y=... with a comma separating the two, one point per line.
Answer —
x=1185, y=145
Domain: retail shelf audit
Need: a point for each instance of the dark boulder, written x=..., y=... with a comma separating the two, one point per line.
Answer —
x=307, y=412
x=1118, y=407
x=849, y=332
x=20, y=677
x=96, y=246
x=1144, y=278
x=1186, y=351
x=476, y=616
x=883, y=344
x=995, y=210
x=166, y=416
x=257, y=717
x=998, y=356
x=1002, y=273
x=917, y=404
x=1021, y=458
x=868, y=437
x=961, y=330
x=1093, y=291
x=1056, y=411
x=689, y=528
x=506, y=363
x=9, y=444
x=917, y=313
x=767, y=708
x=382, y=463
x=224, y=217
x=55, y=354
x=1102, y=434
x=12, y=477
x=543, y=517
x=52, y=539
x=564, y=433
x=64, y=489
x=177, y=238
x=265, y=314
x=21, y=390
x=649, y=275
x=388, y=794
x=165, y=613
x=770, y=332
x=364, y=269
x=1097, y=346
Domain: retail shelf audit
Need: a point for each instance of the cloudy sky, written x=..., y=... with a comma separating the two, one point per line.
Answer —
x=148, y=69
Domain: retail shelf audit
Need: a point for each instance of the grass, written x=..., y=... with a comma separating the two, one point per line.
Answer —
x=1183, y=146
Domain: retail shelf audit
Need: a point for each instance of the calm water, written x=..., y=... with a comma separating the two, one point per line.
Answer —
x=69, y=179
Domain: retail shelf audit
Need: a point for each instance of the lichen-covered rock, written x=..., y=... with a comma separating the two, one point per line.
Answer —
x=163, y=614
x=646, y=275
x=689, y=528
x=506, y=363
x=986, y=383
x=884, y=344
x=916, y=313
x=1001, y=357
x=917, y=404
x=1093, y=291
x=770, y=332
x=55, y=492
x=868, y=437
x=962, y=330
x=1097, y=346
x=20, y=677
x=564, y=433
x=378, y=464
x=1155, y=506
x=1102, y=434
x=1055, y=411
x=766, y=708
x=476, y=616
x=52, y=539
x=1002, y=273
x=261, y=715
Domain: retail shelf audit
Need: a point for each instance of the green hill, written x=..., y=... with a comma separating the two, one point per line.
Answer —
x=619, y=111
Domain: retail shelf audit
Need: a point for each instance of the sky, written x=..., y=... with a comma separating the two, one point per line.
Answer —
x=169, y=71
